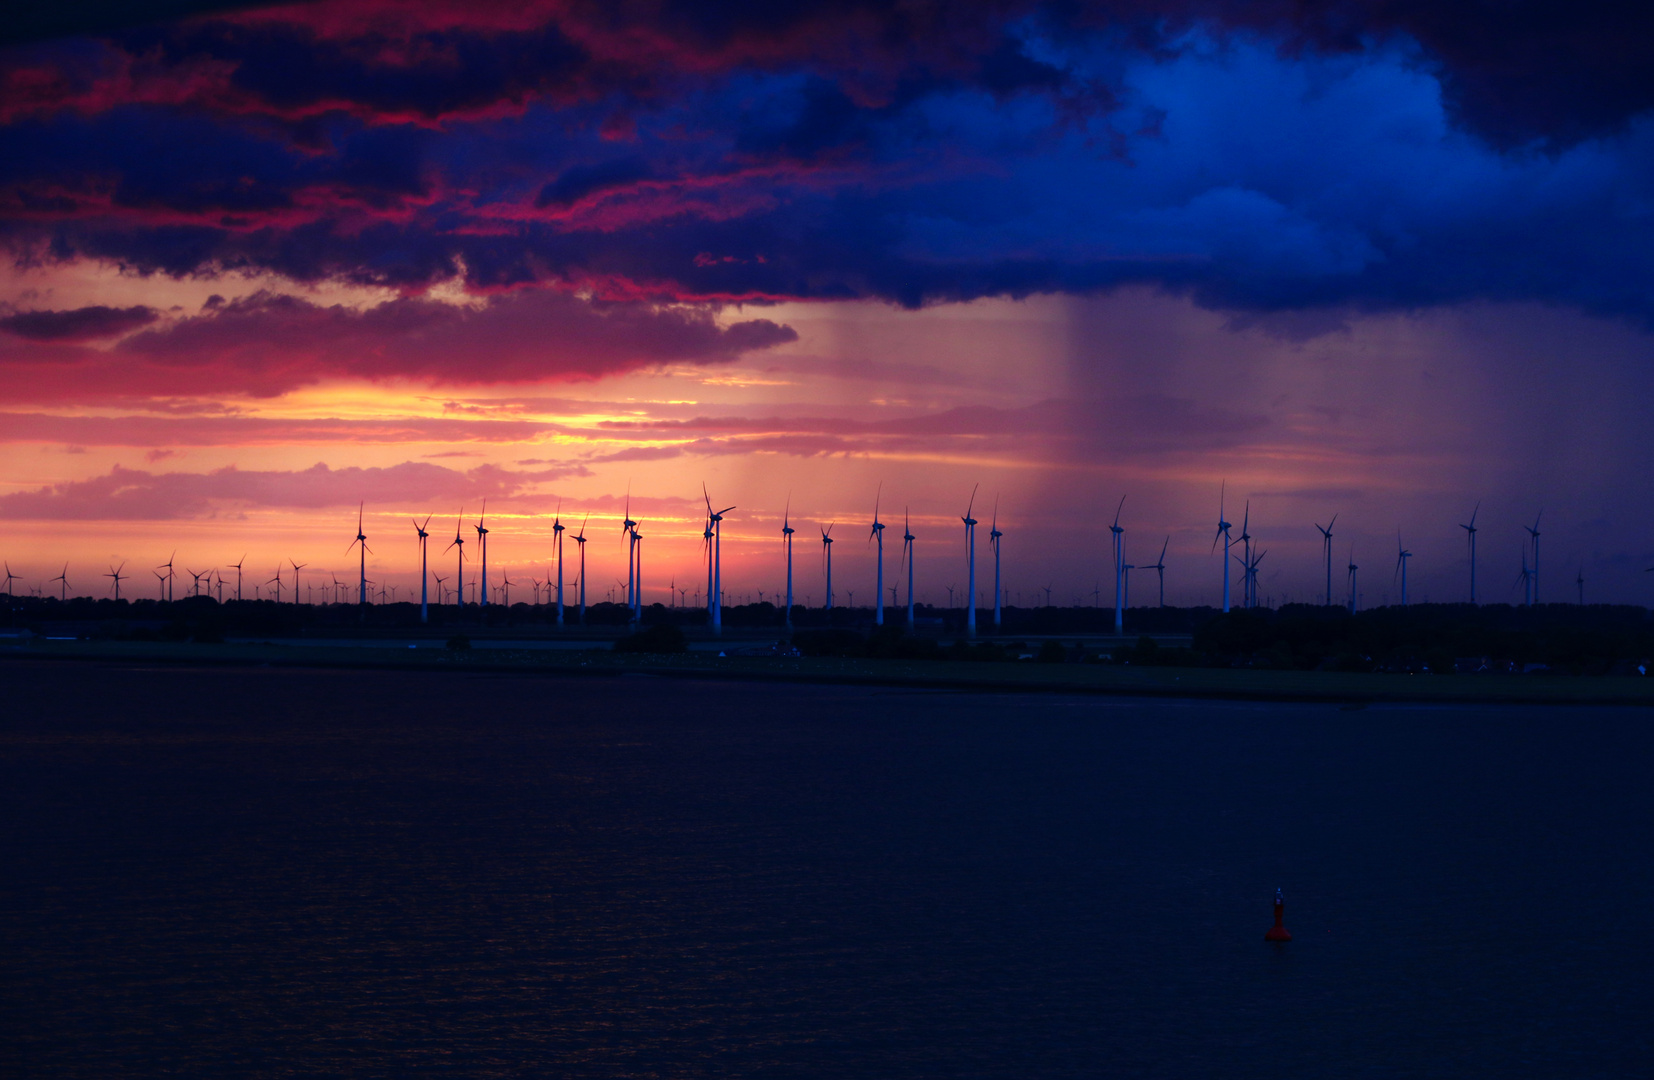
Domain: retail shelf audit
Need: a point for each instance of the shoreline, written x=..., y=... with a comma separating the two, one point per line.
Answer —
x=1236, y=684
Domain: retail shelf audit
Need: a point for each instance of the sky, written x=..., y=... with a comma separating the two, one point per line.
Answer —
x=1385, y=260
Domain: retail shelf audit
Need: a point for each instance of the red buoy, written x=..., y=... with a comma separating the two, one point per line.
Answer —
x=1278, y=932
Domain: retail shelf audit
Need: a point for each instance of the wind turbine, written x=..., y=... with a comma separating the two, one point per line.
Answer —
x=1160, y=568
x=11, y=577
x=907, y=556
x=424, y=569
x=440, y=591
x=1247, y=599
x=505, y=591
x=361, y=539
x=715, y=524
x=827, y=555
x=195, y=580
x=459, y=568
x=277, y=580
x=1353, y=569
x=1470, y=531
x=482, y=537
x=238, y=576
x=115, y=572
x=1223, y=534
x=1534, y=532
x=1119, y=571
x=1402, y=555
x=580, y=541
x=297, y=566
x=970, y=562
x=628, y=529
x=1326, y=547
x=787, y=531
x=993, y=540
x=1525, y=579
x=878, y=534
x=166, y=582
x=557, y=528
x=63, y=577
x=637, y=574
x=338, y=588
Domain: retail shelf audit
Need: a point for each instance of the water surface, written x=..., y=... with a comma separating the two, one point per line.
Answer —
x=273, y=873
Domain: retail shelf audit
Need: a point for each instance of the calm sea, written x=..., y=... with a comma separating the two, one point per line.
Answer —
x=274, y=873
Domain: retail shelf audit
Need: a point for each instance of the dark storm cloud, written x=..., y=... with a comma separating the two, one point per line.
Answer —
x=1259, y=156
x=79, y=324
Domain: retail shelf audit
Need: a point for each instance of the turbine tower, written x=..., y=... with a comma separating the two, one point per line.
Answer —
x=878, y=534
x=637, y=573
x=482, y=537
x=1223, y=534
x=238, y=576
x=297, y=566
x=1534, y=532
x=1326, y=547
x=787, y=531
x=827, y=556
x=10, y=577
x=1402, y=555
x=459, y=564
x=1246, y=555
x=907, y=556
x=1470, y=531
x=424, y=569
x=361, y=539
x=277, y=581
x=63, y=577
x=993, y=539
x=557, y=528
x=970, y=565
x=115, y=572
x=714, y=520
x=1119, y=571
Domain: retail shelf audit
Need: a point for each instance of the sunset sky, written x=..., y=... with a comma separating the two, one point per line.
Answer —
x=1386, y=261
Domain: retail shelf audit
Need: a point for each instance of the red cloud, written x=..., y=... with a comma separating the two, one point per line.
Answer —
x=133, y=495
x=268, y=344
x=80, y=324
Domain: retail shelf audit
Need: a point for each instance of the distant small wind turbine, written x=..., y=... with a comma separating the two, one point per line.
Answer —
x=580, y=542
x=827, y=561
x=114, y=572
x=1534, y=532
x=1119, y=569
x=297, y=566
x=1402, y=555
x=1160, y=568
x=166, y=579
x=459, y=563
x=64, y=578
x=277, y=581
x=787, y=531
x=970, y=564
x=715, y=594
x=362, y=541
x=238, y=576
x=907, y=556
x=1223, y=534
x=424, y=568
x=1326, y=547
x=1470, y=531
x=1352, y=569
x=557, y=530
x=994, y=536
x=878, y=534
x=10, y=577
x=482, y=537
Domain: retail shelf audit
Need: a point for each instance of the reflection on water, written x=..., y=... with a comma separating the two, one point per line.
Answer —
x=281, y=873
